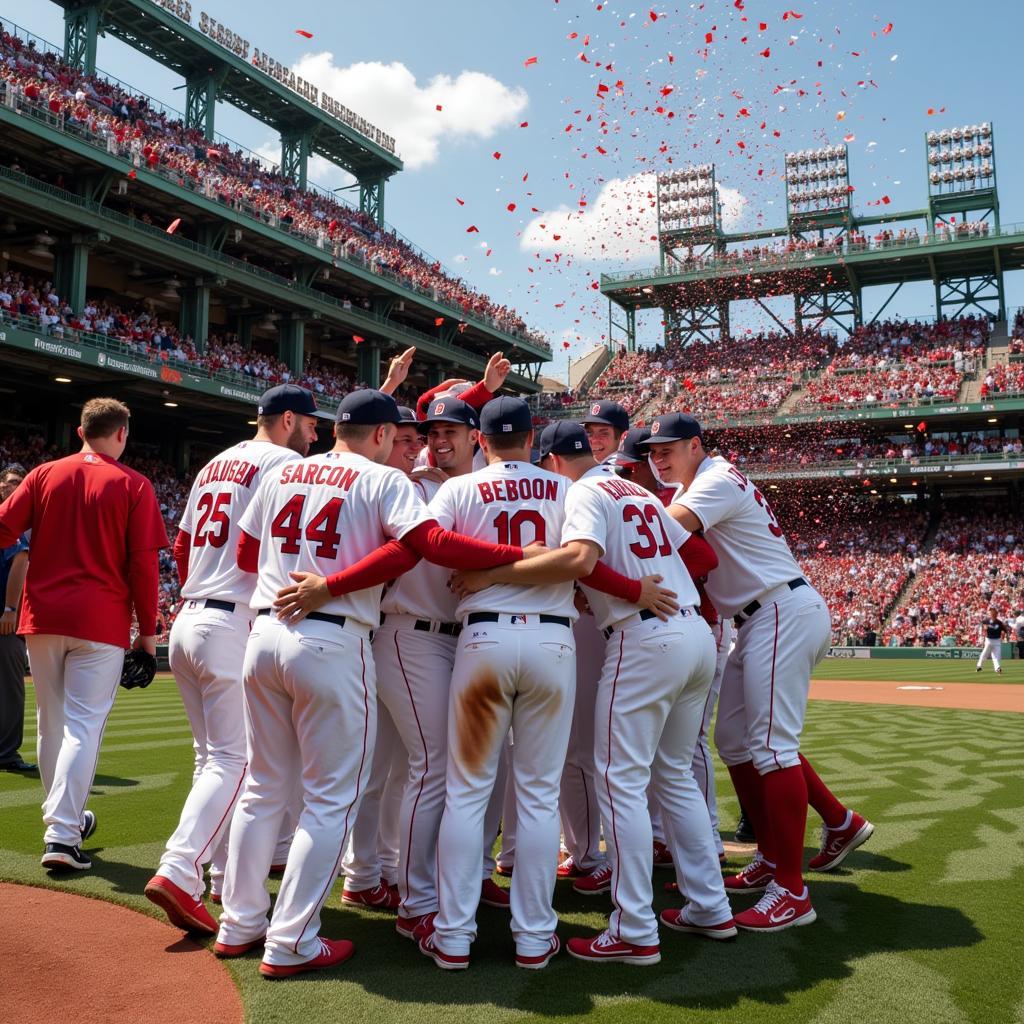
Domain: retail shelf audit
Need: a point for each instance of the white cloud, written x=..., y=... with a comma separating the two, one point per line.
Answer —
x=494, y=272
x=473, y=105
x=620, y=224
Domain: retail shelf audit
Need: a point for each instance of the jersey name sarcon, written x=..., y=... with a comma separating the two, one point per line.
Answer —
x=509, y=503
x=219, y=497
x=738, y=522
x=323, y=514
x=423, y=591
x=637, y=538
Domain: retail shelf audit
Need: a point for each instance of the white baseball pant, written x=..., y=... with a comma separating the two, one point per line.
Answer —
x=992, y=649
x=580, y=812
x=767, y=679
x=414, y=674
x=520, y=676
x=703, y=764
x=372, y=854
x=207, y=648
x=75, y=682
x=650, y=704
x=311, y=712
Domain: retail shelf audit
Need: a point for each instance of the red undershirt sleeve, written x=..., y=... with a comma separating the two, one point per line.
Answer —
x=608, y=581
x=247, y=554
x=182, y=547
x=423, y=402
x=699, y=557
x=456, y=551
x=143, y=582
x=389, y=561
x=477, y=396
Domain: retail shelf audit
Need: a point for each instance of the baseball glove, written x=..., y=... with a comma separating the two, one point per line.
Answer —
x=138, y=670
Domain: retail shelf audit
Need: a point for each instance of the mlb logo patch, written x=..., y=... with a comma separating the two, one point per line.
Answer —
x=518, y=620
x=506, y=428
x=346, y=416
x=578, y=444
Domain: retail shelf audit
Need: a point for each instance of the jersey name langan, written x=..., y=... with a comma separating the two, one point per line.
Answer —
x=524, y=489
x=235, y=471
x=326, y=475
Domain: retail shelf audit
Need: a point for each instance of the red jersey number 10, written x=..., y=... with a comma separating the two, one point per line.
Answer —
x=510, y=527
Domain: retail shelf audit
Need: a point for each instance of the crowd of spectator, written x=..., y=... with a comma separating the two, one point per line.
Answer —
x=129, y=126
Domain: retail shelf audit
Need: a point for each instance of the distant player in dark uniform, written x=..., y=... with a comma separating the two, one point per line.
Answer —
x=993, y=629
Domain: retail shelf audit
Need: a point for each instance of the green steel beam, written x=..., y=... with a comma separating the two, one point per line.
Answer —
x=371, y=199
x=291, y=341
x=81, y=27
x=296, y=147
x=194, y=313
x=368, y=364
x=201, y=100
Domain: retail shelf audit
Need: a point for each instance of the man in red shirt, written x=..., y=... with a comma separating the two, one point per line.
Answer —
x=96, y=529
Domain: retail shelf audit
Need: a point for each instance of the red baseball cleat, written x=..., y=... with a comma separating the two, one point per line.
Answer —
x=226, y=951
x=604, y=947
x=181, y=909
x=755, y=877
x=776, y=910
x=332, y=952
x=492, y=895
x=838, y=843
x=536, y=963
x=445, y=961
x=662, y=855
x=568, y=869
x=598, y=881
x=415, y=927
x=679, y=922
x=380, y=897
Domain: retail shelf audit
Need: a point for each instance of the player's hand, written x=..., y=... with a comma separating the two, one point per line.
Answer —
x=305, y=595
x=8, y=623
x=535, y=549
x=434, y=473
x=398, y=370
x=469, y=581
x=656, y=599
x=145, y=643
x=498, y=368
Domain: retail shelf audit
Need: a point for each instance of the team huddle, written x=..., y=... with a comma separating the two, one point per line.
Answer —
x=446, y=629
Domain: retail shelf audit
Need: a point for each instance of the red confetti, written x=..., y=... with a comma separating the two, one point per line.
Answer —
x=922, y=427
x=438, y=320
x=302, y=32
x=511, y=207
x=173, y=226
x=461, y=202
x=790, y=14
x=529, y=61
x=709, y=37
x=497, y=155
x=762, y=26
x=438, y=107
x=652, y=15
x=565, y=344
x=887, y=29
x=766, y=52
x=132, y=175
x=358, y=339
x=471, y=229
x=524, y=124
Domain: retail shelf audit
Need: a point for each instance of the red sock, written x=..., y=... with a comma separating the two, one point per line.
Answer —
x=785, y=797
x=750, y=789
x=821, y=798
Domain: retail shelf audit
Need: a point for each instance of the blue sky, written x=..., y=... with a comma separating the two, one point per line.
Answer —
x=395, y=60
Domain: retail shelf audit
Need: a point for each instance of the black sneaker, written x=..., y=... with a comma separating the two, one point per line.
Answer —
x=88, y=824
x=60, y=857
x=744, y=832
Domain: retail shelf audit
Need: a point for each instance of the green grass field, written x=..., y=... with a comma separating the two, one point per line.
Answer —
x=918, y=926
x=918, y=671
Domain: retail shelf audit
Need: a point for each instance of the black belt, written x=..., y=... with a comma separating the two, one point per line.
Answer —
x=338, y=620
x=554, y=620
x=644, y=616
x=221, y=606
x=424, y=626
x=755, y=606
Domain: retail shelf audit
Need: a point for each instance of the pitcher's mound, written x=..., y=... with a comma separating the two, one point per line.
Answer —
x=104, y=964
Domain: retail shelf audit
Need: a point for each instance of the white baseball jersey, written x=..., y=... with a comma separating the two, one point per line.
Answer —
x=637, y=538
x=220, y=494
x=509, y=503
x=738, y=522
x=323, y=514
x=423, y=591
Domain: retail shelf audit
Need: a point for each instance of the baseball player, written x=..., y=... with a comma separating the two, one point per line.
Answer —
x=96, y=530
x=632, y=463
x=650, y=698
x=207, y=647
x=309, y=678
x=993, y=629
x=783, y=630
x=514, y=668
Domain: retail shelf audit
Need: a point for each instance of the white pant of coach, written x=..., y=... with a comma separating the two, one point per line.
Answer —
x=207, y=648
x=992, y=649
x=516, y=673
x=311, y=710
x=75, y=683
x=650, y=706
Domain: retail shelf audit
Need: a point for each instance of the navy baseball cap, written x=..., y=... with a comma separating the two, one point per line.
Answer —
x=408, y=417
x=564, y=438
x=673, y=426
x=450, y=410
x=287, y=398
x=505, y=415
x=611, y=414
x=368, y=407
x=630, y=450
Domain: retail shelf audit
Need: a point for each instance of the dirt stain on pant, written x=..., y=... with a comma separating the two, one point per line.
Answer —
x=477, y=719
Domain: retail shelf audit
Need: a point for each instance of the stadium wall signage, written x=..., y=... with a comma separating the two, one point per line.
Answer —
x=915, y=653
